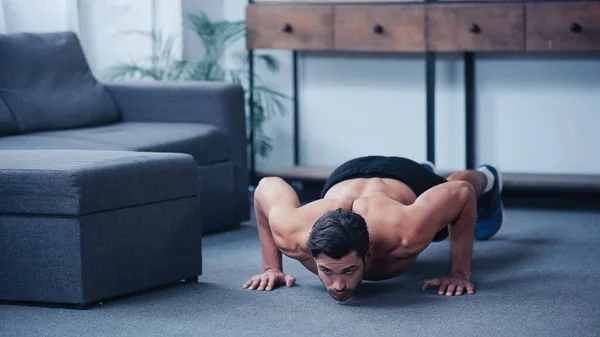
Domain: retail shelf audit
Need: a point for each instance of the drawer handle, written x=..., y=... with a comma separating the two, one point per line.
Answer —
x=575, y=28
x=287, y=28
x=474, y=28
x=377, y=29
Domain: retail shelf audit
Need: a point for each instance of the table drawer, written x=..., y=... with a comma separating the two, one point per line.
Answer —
x=563, y=26
x=475, y=27
x=379, y=28
x=274, y=26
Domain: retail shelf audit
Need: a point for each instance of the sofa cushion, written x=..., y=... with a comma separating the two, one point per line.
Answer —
x=8, y=125
x=206, y=143
x=78, y=182
x=47, y=84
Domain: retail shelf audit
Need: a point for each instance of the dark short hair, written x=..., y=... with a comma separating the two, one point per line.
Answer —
x=337, y=233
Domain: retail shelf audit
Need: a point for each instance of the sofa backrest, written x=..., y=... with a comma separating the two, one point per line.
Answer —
x=47, y=84
x=8, y=125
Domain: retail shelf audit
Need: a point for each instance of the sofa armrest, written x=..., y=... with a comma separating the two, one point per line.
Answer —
x=216, y=103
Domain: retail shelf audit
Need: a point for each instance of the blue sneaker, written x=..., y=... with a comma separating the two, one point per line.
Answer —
x=430, y=166
x=490, y=211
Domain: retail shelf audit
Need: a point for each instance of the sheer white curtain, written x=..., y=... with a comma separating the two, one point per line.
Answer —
x=38, y=16
x=101, y=25
x=3, y=28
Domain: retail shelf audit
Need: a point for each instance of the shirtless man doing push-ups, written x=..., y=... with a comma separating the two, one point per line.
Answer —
x=375, y=216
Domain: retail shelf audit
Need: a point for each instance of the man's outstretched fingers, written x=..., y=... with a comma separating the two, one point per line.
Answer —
x=271, y=283
x=470, y=290
x=450, y=290
x=255, y=283
x=250, y=283
x=443, y=286
x=459, y=290
x=263, y=282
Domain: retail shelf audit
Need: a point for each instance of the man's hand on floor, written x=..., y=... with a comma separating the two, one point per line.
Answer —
x=269, y=280
x=451, y=285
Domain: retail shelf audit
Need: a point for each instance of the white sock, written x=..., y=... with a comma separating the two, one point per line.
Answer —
x=432, y=166
x=489, y=177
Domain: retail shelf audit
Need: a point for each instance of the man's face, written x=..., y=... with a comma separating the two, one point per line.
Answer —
x=340, y=277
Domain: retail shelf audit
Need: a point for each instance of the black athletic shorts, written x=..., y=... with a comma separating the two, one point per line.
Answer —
x=414, y=175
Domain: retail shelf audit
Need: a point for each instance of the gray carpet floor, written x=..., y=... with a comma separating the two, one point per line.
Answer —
x=540, y=276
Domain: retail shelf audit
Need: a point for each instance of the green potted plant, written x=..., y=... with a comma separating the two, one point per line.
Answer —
x=216, y=37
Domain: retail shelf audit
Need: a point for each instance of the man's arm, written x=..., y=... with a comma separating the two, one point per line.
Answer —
x=452, y=204
x=272, y=197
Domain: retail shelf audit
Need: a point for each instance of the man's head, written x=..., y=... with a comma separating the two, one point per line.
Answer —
x=339, y=243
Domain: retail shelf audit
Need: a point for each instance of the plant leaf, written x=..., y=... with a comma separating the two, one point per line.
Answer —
x=280, y=107
x=270, y=91
x=263, y=144
x=271, y=62
x=124, y=71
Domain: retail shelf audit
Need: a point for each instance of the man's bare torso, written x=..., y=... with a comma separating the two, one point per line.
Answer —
x=383, y=203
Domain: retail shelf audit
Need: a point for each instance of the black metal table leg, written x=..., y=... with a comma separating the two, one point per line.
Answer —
x=430, y=104
x=252, y=168
x=295, y=111
x=251, y=116
x=469, y=59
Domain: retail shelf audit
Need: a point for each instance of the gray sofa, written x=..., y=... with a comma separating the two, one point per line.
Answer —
x=49, y=99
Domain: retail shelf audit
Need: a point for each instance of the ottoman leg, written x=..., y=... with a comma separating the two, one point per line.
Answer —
x=191, y=279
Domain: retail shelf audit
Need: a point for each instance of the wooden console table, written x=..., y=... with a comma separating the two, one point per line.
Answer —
x=430, y=28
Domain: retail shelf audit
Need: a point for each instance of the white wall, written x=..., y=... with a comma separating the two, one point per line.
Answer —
x=534, y=113
x=540, y=113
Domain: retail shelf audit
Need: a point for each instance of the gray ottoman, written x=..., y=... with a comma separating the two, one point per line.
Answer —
x=79, y=227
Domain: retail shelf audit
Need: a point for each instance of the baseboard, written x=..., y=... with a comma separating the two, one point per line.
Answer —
x=549, y=199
